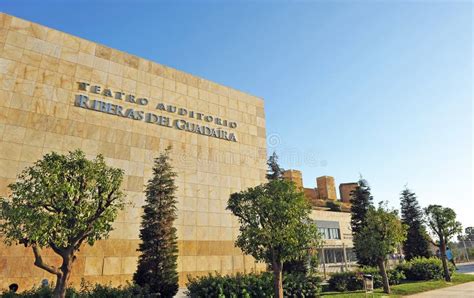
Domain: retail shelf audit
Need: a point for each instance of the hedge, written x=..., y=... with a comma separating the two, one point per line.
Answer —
x=86, y=291
x=353, y=280
x=252, y=285
x=413, y=270
x=424, y=268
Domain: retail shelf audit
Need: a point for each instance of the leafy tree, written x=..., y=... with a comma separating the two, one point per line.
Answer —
x=469, y=233
x=274, y=225
x=157, y=267
x=380, y=236
x=301, y=264
x=442, y=222
x=274, y=171
x=417, y=242
x=361, y=203
x=60, y=202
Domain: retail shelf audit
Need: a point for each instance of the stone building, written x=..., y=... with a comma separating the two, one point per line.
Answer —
x=331, y=215
x=59, y=92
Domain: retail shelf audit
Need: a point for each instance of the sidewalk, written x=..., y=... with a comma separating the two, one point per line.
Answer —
x=463, y=290
x=466, y=268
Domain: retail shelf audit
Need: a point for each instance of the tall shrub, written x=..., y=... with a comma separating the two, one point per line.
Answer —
x=157, y=266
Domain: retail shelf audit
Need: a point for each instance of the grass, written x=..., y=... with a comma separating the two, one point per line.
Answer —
x=408, y=288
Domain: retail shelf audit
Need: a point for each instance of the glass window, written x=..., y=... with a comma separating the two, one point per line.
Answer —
x=330, y=233
x=331, y=255
x=334, y=234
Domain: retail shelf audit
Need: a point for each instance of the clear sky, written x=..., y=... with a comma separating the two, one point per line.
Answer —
x=378, y=88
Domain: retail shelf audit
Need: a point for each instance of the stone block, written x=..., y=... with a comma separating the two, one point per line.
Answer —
x=129, y=265
x=112, y=266
x=94, y=266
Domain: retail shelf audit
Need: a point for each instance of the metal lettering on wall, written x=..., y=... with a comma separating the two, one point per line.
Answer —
x=220, y=132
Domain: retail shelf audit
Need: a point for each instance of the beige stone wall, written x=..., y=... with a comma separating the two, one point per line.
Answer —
x=39, y=73
x=344, y=219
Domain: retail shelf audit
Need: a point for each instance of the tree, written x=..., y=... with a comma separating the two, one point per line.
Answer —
x=157, y=267
x=417, y=242
x=361, y=203
x=443, y=224
x=274, y=171
x=380, y=236
x=274, y=225
x=60, y=202
x=467, y=236
x=469, y=233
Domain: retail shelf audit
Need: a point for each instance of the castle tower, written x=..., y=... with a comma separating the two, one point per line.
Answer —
x=345, y=190
x=295, y=176
x=326, y=188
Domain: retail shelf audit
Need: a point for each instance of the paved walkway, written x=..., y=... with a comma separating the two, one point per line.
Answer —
x=466, y=268
x=462, y=290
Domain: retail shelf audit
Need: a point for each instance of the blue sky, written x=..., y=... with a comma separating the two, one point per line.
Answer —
x=382, y=89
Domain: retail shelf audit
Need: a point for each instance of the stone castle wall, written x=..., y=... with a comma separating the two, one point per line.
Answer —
x=326, y=188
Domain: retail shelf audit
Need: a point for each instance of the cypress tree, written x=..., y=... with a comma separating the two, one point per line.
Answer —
x=362, y=202
x=416, y=243
x=274, y=171
x=157, y=266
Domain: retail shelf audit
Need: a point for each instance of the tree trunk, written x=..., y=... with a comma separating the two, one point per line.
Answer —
x=63, y=276
x=278, y=280
x=386, y=286
x=277, y=276
x=442, y=247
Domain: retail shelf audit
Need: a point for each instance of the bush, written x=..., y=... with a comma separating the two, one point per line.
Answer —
x=334, y=205
x=424, y=268
x=395, y=276
x=353, y=280
x=87, y=290
x=107, y=291
x=299, y=285
x=41, y=292
x=346, y=281
x=230, y=286
x=252, y=285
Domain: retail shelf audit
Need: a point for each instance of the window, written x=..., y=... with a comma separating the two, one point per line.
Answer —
x=331, y=255
x=330, y=233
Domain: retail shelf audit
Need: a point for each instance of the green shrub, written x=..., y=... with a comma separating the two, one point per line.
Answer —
x=346, y=281
x=41, y=292
x=334, y=205
x=299, y=285
x=353, y=280
x=230, y=286
x=87, y=290
x=395, y=276
x=252, y=285
x=423, y=268
x=107, y=291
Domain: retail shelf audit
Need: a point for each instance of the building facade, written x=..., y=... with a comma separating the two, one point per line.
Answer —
x=332, y=217
x=59, y=93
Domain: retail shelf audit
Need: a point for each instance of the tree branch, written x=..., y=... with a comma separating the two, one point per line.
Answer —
x=55, y=248
x=39, y=261
x=77, y=241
